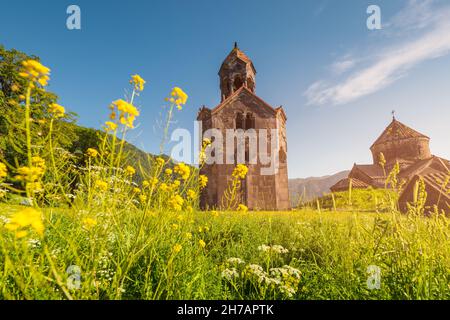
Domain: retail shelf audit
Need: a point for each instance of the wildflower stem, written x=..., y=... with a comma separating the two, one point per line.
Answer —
x=52, y=156
x=124, y=133
x=27, y=123
x=56, y=275
x=166, y=129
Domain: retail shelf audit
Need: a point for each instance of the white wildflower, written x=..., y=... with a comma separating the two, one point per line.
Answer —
x=287, y=290
x=34, y=243
x=230, y=274
x=235, y=261
x=264, y=248
x=275, y=249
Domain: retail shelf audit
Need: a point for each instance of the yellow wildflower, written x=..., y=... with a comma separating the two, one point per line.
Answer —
x=110, y=126
x=164, y=187
x=30, y=174
x=176, y=183
x=205, y=143
x=91, y=152
x=189, y=209
x=136, y=190
x=57, y=110
x=125, y=107
x=28, y=217
x=183, y=170
x=35, y=72
x=89, y=223
x=188, y=235
x=3, y=170
x=127, y=112
x=129, y=170
x=168, y=172
x=176, y=202
x=34, y=187
x=38, y=162
x=202, y=181
x=102, y=185
x=240, y=171
x=215, y=213
x=138, y=82
x=160, y=161
x=15, y=88
x=191, y=194
x=145, y=184
x=175, y=226
x=177, y=248
x=143, y=198
x=242, y=208
x=21, y=234
x=202, y=243
x=178, y=97
x=202, y=157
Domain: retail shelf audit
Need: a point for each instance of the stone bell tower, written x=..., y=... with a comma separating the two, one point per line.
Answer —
x=237, y=70
x=241, y=110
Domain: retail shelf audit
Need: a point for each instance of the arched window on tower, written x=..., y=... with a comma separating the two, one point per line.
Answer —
x=238, y=83
x=240, y=121
x=249, y=121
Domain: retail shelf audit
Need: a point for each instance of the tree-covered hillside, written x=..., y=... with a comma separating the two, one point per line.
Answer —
x=67, y=134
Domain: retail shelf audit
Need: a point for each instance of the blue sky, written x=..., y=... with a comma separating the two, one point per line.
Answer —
x=337, y=80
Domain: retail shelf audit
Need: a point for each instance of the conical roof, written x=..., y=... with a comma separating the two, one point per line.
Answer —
x=397, y=131
x=237, y=53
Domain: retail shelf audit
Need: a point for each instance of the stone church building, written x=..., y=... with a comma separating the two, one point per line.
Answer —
x=241, y=108
x=411, y=149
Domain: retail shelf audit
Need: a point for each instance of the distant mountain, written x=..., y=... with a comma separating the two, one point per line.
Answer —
x=306, y=189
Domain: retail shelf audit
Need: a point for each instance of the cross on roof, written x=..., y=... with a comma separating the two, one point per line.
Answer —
x=393, y=114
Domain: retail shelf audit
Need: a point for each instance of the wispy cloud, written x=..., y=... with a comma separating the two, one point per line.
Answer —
x=390, y=63
x=343, y=65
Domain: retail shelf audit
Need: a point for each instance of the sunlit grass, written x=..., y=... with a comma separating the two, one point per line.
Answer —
x=109, y=229
x=331, y=252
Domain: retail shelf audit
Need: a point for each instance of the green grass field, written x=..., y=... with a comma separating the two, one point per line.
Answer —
x=185, y=256
x=100, y=224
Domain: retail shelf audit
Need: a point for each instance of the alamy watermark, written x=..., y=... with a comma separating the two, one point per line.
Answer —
x=73, y=21
x=374, y=20
x=74, y=278
x=231, y=146
x=374, y=278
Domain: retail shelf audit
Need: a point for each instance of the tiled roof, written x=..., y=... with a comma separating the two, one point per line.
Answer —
x=371, y=170
x=238, y=54
x=397, y=130
x=427, y=166
x=437, y=180
x=344, y=184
